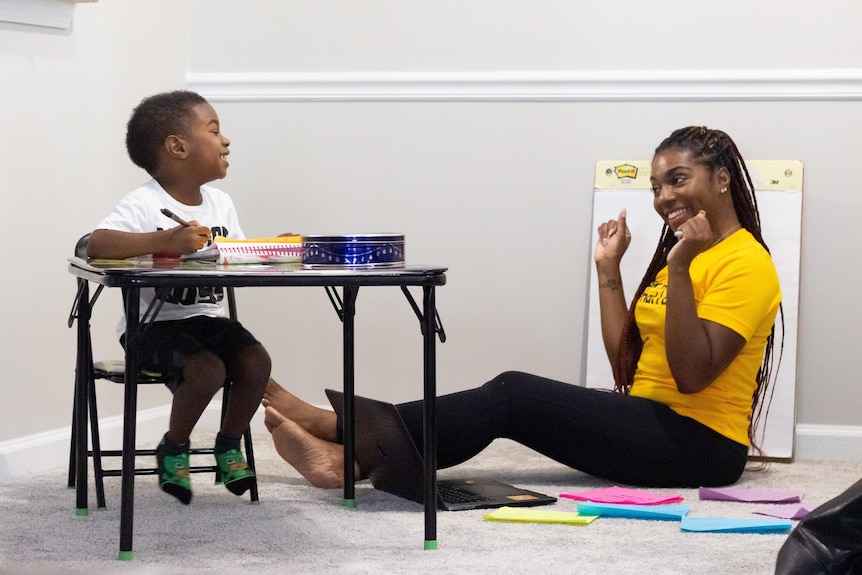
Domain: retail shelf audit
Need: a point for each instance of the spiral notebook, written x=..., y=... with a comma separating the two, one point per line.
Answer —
x=386, y=453
x=281, y=249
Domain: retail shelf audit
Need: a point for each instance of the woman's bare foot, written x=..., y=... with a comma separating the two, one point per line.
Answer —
x=320, y=462
x=321, y=423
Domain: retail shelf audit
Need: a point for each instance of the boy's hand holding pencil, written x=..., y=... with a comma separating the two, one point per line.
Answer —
x=188, y=237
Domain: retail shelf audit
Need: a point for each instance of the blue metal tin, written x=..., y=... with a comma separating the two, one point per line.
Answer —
x=353, y=251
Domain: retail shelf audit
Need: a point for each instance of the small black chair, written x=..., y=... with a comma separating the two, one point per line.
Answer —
x=114, y=371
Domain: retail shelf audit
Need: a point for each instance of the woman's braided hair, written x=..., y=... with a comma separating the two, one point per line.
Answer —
x=713, y=149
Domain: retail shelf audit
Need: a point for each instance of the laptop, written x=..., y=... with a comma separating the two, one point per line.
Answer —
x=386, y=453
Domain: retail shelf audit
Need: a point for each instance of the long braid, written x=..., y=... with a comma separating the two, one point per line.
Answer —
x=715, y=150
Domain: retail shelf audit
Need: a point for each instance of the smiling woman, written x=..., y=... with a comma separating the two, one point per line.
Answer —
x=690, y=356
x=702, y=188
x=685, y=192
x=779, y=201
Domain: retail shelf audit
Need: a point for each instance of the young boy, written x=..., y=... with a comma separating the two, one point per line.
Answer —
x=177, y=139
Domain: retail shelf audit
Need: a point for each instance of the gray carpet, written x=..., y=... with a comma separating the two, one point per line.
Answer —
x=299, y=529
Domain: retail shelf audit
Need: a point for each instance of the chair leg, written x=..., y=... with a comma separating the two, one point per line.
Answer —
x=249, y=456
x=224, y=393
x=72, y=441
x=249, y=449
x=95, y=453
x=98, y=472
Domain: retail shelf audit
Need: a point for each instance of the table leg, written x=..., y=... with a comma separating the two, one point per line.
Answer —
x=429, y=448
x=350, y=293
x=82, y=391
x=127, y=497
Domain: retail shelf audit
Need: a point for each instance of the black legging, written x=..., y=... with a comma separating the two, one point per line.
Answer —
x=625, y=439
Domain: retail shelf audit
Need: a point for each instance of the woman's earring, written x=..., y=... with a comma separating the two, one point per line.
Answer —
x=723, y=190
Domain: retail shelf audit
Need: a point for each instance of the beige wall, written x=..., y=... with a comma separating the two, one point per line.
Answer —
x=495, y=182
x=494, y=186
x=483, y=35
x=65, y=99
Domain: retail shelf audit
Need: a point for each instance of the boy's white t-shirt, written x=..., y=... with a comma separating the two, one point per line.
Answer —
x=140, y=212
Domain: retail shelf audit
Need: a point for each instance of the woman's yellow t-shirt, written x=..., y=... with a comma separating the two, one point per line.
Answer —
x=735, y=285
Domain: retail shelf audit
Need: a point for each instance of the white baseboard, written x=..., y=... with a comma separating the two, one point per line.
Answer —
x=843, y=442
x=50, y=450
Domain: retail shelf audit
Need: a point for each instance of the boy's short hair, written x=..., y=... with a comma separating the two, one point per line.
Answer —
x=156, y=118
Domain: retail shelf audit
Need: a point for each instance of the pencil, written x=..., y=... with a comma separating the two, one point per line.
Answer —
x=175, y=217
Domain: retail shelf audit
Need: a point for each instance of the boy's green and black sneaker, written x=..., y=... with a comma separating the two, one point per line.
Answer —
x=236, y=475
x=173, y=472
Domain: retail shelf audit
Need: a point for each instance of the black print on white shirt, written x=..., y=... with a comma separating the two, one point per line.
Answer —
x=192, y=295
x=218, y=231
x=195, y=294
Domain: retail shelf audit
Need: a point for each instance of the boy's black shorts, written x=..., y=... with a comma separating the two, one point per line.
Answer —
x=165, y=345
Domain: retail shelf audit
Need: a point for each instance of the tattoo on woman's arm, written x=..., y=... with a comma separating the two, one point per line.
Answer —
x=612, y=284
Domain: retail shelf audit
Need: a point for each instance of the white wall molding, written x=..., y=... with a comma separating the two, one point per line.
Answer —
x=595, y=86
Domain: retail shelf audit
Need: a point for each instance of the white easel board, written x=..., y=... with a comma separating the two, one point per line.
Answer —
x=778, y=189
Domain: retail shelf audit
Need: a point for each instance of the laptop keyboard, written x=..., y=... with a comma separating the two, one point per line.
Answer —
x=452, y=494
